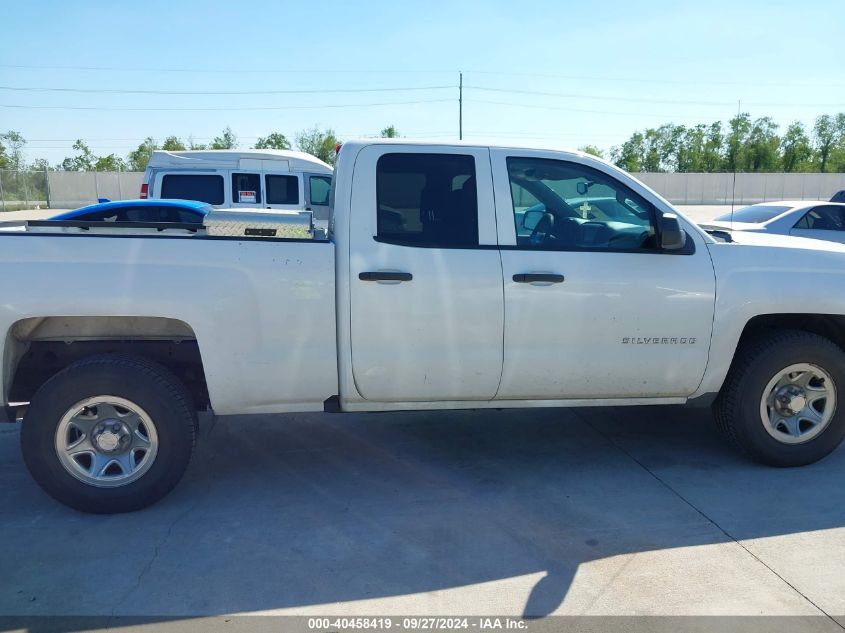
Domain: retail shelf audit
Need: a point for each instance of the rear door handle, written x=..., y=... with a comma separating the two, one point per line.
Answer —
x=383, y=275
x=530, y=278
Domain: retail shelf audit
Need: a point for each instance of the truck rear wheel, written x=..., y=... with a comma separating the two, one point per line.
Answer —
x=783, y=402
x=109, y=434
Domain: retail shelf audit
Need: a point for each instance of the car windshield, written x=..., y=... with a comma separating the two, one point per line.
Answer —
x=754, y=214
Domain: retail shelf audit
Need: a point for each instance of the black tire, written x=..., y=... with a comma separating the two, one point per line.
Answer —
x=737, y=409
x=154, y=388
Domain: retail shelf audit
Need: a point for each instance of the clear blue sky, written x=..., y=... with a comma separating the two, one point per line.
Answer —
x=616, y=66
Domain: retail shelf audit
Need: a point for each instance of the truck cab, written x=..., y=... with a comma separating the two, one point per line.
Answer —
x=511, y=256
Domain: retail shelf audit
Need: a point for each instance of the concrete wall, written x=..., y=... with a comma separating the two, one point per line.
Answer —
x=749, y=188
x=74, y=189
x=71, y=189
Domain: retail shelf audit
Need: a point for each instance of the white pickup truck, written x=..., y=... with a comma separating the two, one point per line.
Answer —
x=454, y=276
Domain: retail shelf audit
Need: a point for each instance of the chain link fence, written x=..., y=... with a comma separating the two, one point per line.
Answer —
x=23, y=190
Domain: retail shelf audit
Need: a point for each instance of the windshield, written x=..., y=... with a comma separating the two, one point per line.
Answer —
x=754, y=214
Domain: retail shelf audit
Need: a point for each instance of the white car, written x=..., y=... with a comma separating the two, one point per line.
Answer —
x=455, y=276
x=802, y=218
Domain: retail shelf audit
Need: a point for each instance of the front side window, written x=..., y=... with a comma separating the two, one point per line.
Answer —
x=826, y=218
x=246, y=188
x=282, y=189
x=559, y=205
x=205, y=188
x=427, y=200
x=319, y=188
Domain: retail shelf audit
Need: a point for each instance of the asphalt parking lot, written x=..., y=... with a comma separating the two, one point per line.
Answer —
x=516, y=512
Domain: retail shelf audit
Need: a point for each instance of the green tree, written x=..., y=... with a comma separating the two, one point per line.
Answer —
x=712, y=157
x=824, y=139
x=592, y=150
x=140, y=156
x=761, y=152
x=389, y=132
x=275, y=140
x=738, y=129
x=83, y=161
x=173, y=144
x=795, y=147
x=629, y=155
x=4, y=159
x=13, y=151
x=227, y=140
x=112, y=162
x=40, y=164
x=320, y=143
x=837, y=152
x=194, y=145
x=653, y=149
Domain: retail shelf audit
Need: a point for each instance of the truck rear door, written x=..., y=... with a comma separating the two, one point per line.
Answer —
x=425, y=275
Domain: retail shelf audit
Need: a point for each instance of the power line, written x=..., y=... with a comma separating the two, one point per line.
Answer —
x=225, y=109
x=647, y=100
x=238, y=71
x=407, y=71
x=642, y=80
x=218, y=92
x=588, y=110
x=599, y=97
x=538, y=134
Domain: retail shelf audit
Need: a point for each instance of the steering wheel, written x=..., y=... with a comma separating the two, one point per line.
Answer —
x=543, y=229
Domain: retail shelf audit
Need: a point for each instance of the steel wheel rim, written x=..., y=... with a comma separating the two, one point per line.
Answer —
x=798, y=403
x=106, y=441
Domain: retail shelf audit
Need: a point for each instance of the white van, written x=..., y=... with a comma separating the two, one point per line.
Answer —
x=231, y=179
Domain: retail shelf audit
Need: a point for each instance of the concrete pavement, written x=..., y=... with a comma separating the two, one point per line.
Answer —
x=583, y=512
x=29, y=214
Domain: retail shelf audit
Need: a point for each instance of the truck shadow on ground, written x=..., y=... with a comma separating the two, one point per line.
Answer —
x=308, y=511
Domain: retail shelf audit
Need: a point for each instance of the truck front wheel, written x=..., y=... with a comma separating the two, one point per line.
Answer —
x=109, y=434
x=783, y=402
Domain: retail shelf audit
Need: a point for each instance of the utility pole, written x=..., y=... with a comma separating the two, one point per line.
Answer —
x=460, y=106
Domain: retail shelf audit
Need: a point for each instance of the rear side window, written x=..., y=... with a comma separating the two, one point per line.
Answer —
x=205, y=188
x=427, y=200
x=320, y=186
x=826, y=218
x=754, y=214
x=142, y=214
x=246, y=188
x=282, y=189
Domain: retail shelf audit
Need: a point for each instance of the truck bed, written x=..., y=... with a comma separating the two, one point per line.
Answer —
x=262, y=310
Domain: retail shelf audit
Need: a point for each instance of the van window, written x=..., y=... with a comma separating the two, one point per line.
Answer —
x=320, y=188
x=205, y=188
x=427, y=200
x=246, y=189
x=282, y=189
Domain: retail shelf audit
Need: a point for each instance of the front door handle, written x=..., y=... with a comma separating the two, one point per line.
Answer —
x=383, y=275
x=530, y=278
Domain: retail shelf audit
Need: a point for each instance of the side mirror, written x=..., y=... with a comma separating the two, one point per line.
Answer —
x=531, y=219
x=672, y=236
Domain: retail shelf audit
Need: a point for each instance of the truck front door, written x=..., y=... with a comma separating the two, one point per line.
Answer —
x=593, y=307
x=426, y=277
